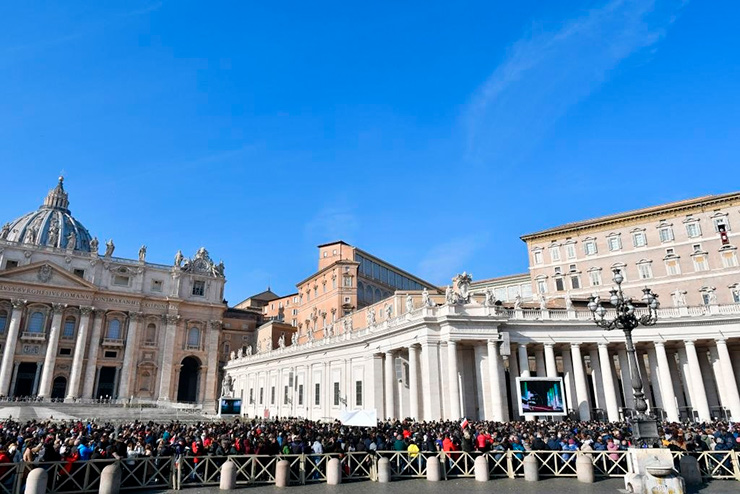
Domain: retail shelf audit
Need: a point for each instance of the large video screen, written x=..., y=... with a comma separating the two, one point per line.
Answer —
x=231, y=406
x=541, y=396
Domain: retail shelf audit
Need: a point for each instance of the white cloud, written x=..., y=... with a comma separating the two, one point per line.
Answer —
x=443, y=261
x=547, y=72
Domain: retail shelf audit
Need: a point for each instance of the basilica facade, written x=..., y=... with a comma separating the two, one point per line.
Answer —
x=77, y=324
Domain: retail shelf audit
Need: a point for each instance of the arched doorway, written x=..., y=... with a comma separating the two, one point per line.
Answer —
x=59, y=387
x=187, y=388
x=24, y=379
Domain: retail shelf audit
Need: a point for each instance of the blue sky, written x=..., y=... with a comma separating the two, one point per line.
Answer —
x=432, y=134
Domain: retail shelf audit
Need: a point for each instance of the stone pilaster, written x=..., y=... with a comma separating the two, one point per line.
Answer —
x=165, y=382
x=88, y=387
x=414, y=382
x=129, y=354
x=454, y=383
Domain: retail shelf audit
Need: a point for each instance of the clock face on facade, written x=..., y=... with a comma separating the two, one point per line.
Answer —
x=200, y=265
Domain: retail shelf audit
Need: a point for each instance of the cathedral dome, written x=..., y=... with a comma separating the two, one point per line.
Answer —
x=52, y=225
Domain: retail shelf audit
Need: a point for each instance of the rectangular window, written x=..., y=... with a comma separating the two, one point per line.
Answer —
x=348, y=281
x=119, y=280
x=572, y=268
x=700, y=263
x=645, y=271
x=639, y=239
x=285, y=395
x=251, y=395
x=666, y=234
x=693, y=230
x=262, y=395
x=736, y=295
x=559, y=285
x=541, y=286
x=729, y=259
x=65, y=351
x=589, y=247
x=317, y=394
x=722, y=221
x=615, y=243
x=156, y=285
x=705, y=298
x=11, y=264
x=570, y=251
x=199, y=288
x=336, y=394
x=358, y=393
x=300, y=395
x=111, y=354
x=80, y=273
x=696, y=248
x=538, y=257
x=555, y=254
x=272, y=395
x=575, y=282
x=595, y=277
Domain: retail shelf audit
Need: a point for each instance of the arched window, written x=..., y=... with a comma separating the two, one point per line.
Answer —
x=69, y=328
x=3, y=320
x=378, y=296
x=360, y=291
x=36, y=323
x=114, y=330
x=151, y=333
x=368, y=294
x=194, y=338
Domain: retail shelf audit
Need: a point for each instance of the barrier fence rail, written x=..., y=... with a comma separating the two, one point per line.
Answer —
x=175, y=473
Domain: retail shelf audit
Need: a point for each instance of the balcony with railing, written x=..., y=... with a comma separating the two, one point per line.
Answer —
x=33, y=336
x=113, y=342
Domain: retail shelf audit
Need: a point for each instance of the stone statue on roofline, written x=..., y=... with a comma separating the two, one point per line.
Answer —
x=409, y=303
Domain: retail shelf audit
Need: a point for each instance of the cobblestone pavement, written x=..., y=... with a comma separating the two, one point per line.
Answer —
x=460, y=486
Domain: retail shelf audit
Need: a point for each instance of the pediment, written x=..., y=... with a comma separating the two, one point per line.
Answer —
x=45, y=273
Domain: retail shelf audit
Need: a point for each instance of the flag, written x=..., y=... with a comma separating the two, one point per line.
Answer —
x=464, y=423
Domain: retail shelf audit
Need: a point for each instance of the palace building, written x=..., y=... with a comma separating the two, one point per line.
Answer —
x=361, y=334
x=76, y=324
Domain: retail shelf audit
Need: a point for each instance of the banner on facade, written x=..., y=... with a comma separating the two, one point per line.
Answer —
x=541, y=396
x=360, y=418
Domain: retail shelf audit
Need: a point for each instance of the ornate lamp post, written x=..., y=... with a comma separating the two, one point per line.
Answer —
x=645, y=427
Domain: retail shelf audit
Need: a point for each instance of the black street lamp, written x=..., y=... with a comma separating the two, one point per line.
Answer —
x=644, y=427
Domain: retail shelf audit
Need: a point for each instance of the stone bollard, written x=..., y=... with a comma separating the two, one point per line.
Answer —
x=434, y=469
x=36, y=481
x=690, y=470
x=384, y=470
x=481, y=469
x=110, y=479
x=531, y=469
x=282, y=473
x=334, y=472
x=228, y=476
x=585, y=469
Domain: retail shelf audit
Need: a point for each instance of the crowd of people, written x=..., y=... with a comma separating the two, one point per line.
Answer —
x=74, y=441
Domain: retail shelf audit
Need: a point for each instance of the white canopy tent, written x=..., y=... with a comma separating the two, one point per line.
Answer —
x=360, y=418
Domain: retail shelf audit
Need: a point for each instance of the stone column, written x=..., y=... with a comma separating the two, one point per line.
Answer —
x=666, y=383
x=579, y=375
x=699, y=401
x=625, y=377
x=569, y=382
x=36, y=377
x=597, y=380
x=495, y=370
x=550, y=365
x=11, y=340
x=482, y=386
x=116, y=383
x=129, y=354
x=47, y=376
x=390, y=385
x=165, y=379
x=523, y=361
x=454, y=384
x=610, y=392
x=414, y=382
x=73, y=390
x=88, y=387
x=655, y=378
x=14, y=378
x=729, y=390
x=431, y=381
x=210, y=380
x=539, y=361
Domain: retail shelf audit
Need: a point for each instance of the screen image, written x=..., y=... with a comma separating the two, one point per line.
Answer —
x=541, y=396
x=231, y=406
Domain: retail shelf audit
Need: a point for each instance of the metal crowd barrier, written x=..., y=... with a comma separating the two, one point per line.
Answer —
x=175, y=473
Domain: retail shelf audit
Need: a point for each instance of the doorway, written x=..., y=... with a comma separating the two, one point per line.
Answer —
x=24, y=379
x=106, y=382
x=187, y=388
x=59, y=387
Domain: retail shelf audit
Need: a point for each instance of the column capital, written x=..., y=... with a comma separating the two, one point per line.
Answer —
x=390, y=352
x=689, y=342
x=522, y=345
x=58, y=308
x=170, y=318
x=136, y=316
x=216, y=325
x=603, y=345
x=414, y=346
x=492, y=342
x=18, y=303
x=99, y=312
x=549, y=344
x=451, y=343
x=86, y=310
x=575, y=345
x=721, y=341
x=659, y=343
